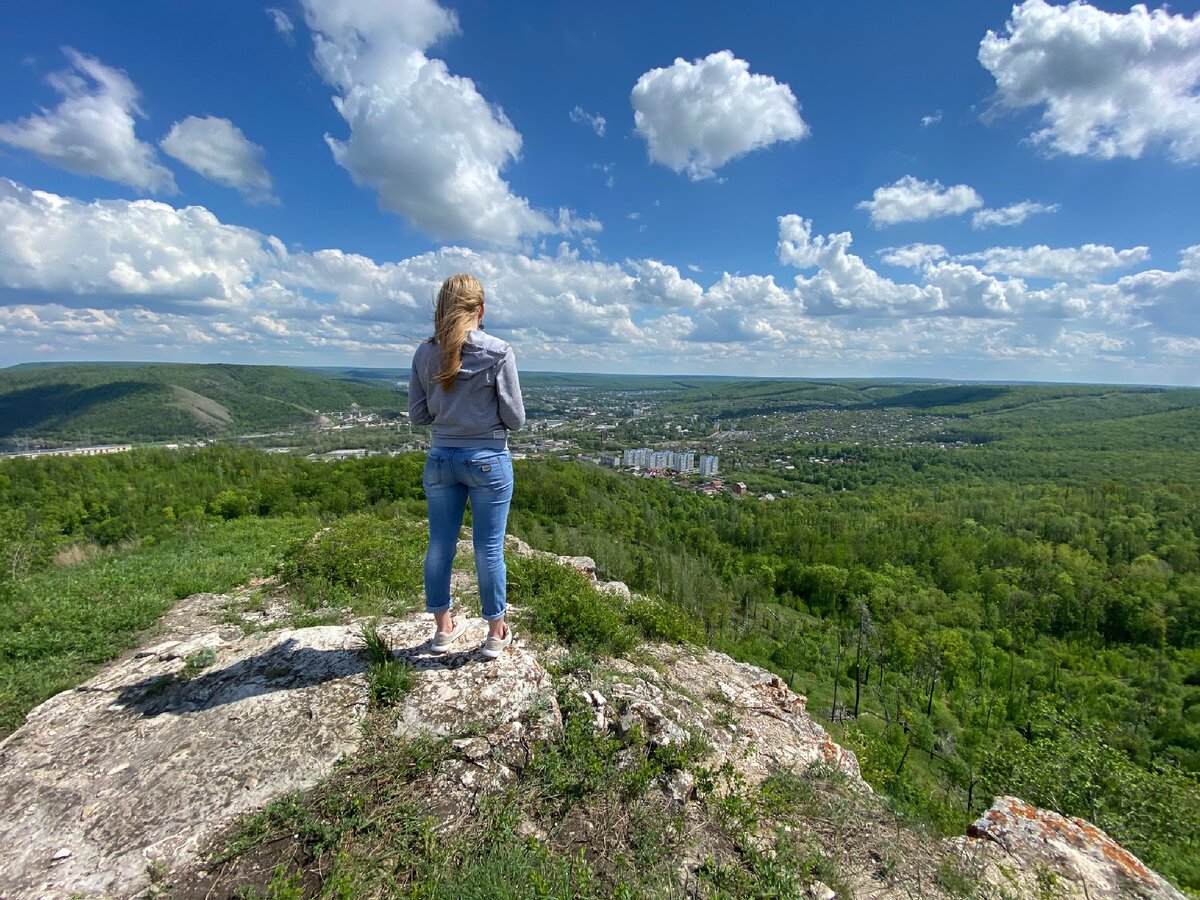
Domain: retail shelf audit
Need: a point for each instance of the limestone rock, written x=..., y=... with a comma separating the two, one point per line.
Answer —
x=138, y=770
x=1017, y=841
x=458, y=693
x=136, y=767
x=748, y=715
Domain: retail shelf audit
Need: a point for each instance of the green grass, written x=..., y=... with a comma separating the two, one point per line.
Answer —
x=373, y=829
x=562, y=604
x=58, y=626
x=585, y=818
x=389, y=679
x=370, y=564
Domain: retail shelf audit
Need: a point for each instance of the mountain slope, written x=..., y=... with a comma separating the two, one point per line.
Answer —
x=107, y=402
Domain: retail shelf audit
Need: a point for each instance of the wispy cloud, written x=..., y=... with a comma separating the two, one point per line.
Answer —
x=595, y=120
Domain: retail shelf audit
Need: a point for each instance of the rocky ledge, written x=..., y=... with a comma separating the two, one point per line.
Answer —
x=126, y=780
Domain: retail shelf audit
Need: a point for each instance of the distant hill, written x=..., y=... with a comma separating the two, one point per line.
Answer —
x=104, y=402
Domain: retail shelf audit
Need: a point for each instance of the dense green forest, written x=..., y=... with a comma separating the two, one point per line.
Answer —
x=92, y=402
x=1017, y=616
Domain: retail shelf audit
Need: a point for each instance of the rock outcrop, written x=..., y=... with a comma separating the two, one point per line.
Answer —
x=1060, y=855
x=129, y=777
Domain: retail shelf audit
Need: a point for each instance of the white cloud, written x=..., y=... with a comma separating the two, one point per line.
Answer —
x=571, y=223
x=1084, y=263
x=697, y=116
x=424, y=139
x=1014, y=214
x=282, y=22
x=144, y=251
x=913, y=200
x=217, y=149
x=91, y=132
x=595, y=120
x=1111, y=84
x=932, y=119
x=142, y=279
x=844, y=283
x=913, y=256
x=658, y=284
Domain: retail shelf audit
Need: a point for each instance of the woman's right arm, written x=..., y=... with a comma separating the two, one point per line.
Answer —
x=508, y=393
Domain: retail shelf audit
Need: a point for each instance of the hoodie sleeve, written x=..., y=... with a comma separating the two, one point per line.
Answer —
x=418, y=408
x=508, y=392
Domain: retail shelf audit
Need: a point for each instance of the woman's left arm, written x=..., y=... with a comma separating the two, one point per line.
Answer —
x=418, y=406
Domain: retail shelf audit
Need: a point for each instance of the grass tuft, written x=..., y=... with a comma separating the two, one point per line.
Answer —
x=390, y=679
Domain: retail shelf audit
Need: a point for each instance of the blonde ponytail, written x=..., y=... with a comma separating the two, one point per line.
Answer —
x=458, y=305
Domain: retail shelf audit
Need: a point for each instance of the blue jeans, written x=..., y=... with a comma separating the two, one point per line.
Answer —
x=452, y=474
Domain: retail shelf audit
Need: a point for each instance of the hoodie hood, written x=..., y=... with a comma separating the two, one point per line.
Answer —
x=480, y=353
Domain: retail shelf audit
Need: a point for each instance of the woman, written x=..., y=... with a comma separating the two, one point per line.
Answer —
x=464, y=383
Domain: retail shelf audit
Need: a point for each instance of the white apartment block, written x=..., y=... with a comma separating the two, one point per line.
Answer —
x=667, y=460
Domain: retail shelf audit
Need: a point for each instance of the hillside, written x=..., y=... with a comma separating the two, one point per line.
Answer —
x=92, y=403
x=239, y=752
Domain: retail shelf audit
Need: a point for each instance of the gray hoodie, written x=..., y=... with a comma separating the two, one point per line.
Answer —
x=486, y=401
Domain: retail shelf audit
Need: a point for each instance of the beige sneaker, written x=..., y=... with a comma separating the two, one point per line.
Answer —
x=494, y=646
x=443, y=639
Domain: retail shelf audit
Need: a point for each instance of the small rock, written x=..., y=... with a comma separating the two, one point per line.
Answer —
x=60, y=854
x=474, y=749
x=818, y=890
x=526, y=828
x=680, y=785
x=657, y=729
x=620, y=588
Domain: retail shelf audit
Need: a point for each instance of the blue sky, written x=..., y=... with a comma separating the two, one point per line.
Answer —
x=958, y=190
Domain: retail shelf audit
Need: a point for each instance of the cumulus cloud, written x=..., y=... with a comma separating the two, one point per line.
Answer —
x=913, y=256
x=658, y=284
x=843, y=282
x=595, y=120
x=913, y=200
x=1110, y=84
x=217, y=149
x=91, y=132
x=570, y=222
x=141, y=250
x=424, y=139
x=697, y=116
x=144, y=279
x=1084, y=263
x=1014, y=214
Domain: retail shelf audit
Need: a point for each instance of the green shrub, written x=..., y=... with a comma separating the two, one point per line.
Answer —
x=658, y=620
x=561, y=603
x=197, y=663
x=359, y=560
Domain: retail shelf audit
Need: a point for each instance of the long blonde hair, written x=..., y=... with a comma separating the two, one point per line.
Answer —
x=457, y=312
